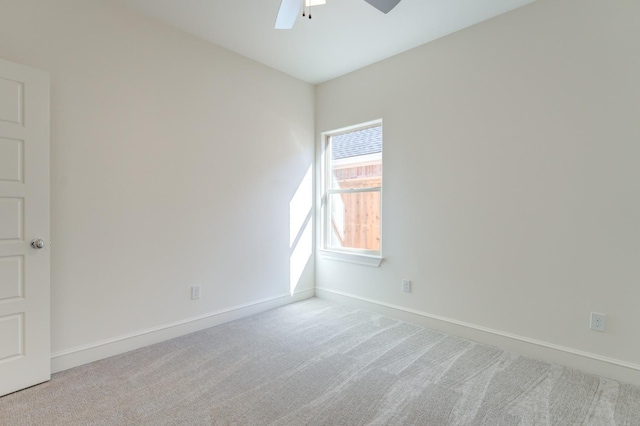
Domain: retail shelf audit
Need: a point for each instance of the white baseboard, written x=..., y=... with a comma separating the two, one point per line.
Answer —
x=589, y=362
x=77, y=356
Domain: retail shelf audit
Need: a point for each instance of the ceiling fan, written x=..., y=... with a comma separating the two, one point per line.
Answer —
x=290, y=9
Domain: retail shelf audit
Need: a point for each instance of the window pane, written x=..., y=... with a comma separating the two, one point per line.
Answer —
x=356, y=159
x=354, y=220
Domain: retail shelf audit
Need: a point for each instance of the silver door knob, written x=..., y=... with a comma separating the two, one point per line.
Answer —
x=37, y=243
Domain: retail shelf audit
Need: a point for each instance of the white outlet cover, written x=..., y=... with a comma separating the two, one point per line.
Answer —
x=195, y=292
x=598, y=321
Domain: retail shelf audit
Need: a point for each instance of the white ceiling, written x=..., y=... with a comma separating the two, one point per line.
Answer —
x=343, y=35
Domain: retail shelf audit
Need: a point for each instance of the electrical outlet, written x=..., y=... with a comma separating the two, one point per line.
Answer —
x=597, y=321
x=406, y=286
x=195, y=292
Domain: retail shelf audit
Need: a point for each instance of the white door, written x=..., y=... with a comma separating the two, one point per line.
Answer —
x=25, y=358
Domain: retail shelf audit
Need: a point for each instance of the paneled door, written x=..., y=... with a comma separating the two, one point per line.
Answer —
x=25, y=358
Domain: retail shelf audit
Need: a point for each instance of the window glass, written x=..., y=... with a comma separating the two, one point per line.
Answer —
x=353, y=182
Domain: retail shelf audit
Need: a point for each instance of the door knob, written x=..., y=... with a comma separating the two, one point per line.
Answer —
x=37, y=243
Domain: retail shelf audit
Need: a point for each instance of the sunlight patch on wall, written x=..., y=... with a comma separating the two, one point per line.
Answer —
x=300, y=229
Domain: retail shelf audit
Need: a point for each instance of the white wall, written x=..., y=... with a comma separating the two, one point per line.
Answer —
x=511, y=182
x=174, y=163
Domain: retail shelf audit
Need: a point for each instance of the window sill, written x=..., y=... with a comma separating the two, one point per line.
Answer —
x=360, y=259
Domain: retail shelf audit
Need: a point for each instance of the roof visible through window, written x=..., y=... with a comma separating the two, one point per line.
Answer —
x=357, y=143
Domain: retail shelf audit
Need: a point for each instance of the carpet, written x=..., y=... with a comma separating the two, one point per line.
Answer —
x=319, y=363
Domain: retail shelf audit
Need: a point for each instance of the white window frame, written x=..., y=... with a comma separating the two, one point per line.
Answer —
x=345, y=254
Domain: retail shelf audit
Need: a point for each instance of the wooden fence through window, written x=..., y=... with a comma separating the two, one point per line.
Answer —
x=361, y=209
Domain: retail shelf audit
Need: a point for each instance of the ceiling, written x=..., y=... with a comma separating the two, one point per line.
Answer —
x=343, y=35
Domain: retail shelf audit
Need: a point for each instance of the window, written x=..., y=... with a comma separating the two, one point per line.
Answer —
x=353, y=190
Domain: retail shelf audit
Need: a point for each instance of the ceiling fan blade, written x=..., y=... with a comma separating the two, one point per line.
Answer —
x=383, y=6
x=289, y=11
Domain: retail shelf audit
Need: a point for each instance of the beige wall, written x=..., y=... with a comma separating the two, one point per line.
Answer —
x=174, y=163
x=511, y=181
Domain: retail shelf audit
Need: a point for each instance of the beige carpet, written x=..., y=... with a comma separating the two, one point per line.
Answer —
x=319, y=363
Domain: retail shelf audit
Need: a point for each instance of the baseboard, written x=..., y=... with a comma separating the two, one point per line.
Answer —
x=75, y=357
x=589, y=362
